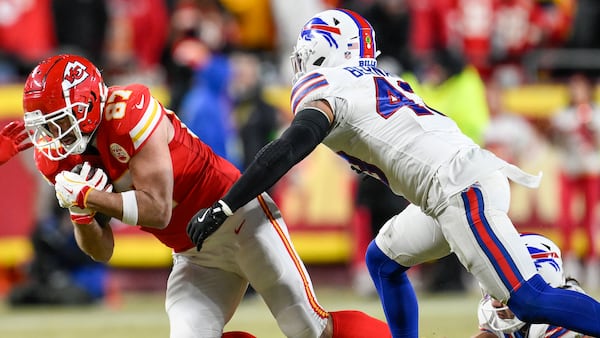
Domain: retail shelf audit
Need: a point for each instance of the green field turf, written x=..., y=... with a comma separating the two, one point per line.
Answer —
x=142, y=315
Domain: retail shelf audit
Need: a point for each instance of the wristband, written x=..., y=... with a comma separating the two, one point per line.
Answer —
x=130, y=207
x=82, y=197
x=226, y=210
x=82, y=218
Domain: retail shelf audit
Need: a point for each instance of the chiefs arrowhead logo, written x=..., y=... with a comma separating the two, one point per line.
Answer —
x=75, y=73
x=119, y=153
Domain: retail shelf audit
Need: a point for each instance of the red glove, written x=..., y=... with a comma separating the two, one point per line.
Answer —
x=11, y=140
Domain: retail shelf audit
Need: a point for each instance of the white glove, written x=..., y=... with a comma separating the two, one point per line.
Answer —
x=72, y=188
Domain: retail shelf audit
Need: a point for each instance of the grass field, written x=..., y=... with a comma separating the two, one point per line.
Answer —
x=141, y=315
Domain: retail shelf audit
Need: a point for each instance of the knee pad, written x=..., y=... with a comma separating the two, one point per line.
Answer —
x=379, y=264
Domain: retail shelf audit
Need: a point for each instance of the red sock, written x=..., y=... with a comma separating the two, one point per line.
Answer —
x=356, y=324
x=237, y=334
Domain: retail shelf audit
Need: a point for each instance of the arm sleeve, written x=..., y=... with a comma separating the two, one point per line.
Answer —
x=307, y=130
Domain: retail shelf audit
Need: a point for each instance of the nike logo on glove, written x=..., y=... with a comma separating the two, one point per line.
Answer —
x=201, y=218
x=140, y=104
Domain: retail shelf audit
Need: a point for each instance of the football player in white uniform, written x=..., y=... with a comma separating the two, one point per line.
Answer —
x=459, y=192
x=496, y=319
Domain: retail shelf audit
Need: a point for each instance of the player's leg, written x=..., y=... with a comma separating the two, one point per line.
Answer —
x=481, y=234
x=537, y=302
x=352, y=323
x=268, y=259
x=200, y=300
x=395, y=291
x=407, y=239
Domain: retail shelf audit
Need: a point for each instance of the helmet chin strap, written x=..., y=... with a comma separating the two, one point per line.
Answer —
x=84, y=141
x=81, y=145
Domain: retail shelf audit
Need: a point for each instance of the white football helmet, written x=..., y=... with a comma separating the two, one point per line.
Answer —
x=547, y=259
x=331, y=38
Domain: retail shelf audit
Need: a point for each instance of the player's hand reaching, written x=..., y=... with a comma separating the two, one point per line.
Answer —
x=12, y=140
x=206, y=221
x=72, y=187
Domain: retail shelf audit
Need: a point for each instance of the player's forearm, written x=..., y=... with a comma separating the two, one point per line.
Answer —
x=96, y=241
x=307, y=130
x=104, y=202
x=153, y=211
x=150, y=211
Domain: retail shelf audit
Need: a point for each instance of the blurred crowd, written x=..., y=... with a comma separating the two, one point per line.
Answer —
x=218, y=59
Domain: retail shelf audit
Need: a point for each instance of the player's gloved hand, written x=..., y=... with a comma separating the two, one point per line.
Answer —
x=206, y=221
x=11, y=140
x=72, y=188
x=85, y=216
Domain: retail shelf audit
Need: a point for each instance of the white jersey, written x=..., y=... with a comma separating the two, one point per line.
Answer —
x=384, y=129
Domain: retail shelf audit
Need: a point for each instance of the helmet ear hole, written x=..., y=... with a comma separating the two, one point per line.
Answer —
x=318, y=62
x=90, y=106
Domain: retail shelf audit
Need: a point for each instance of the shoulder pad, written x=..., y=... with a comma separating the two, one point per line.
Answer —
x=307, y=86
x=127, y=105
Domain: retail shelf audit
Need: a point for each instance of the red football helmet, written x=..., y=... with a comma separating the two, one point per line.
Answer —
x=63, y=100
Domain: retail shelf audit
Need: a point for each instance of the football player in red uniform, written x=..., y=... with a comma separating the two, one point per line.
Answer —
x=161, y=174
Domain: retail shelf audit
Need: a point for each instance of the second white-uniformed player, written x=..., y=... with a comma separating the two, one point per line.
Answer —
x=459, y=192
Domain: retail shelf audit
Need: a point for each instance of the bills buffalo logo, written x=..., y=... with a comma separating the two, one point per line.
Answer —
x=543, y=257
x=318, y=26
x=75, y=73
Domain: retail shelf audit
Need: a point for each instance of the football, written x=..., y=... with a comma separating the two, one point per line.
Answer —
x=77, y=169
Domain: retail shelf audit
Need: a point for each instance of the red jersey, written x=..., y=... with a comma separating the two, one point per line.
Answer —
x=131, y=115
